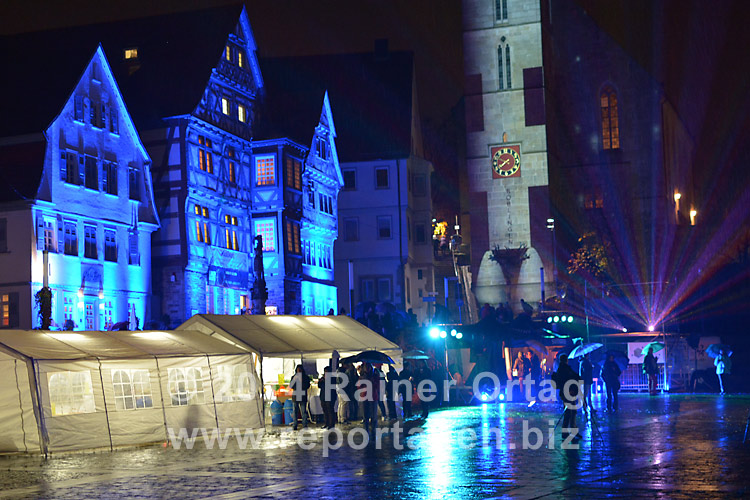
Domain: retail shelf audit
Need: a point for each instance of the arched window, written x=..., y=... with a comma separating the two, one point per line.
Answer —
x=503, y=65
x=610, y=119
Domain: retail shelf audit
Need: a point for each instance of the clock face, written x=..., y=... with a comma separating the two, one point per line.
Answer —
x=506, y=162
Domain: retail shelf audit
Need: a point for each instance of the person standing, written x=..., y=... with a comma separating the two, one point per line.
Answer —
x=351, y=391
x=723, y=365
x=327, y=385
x=370, y=396
x=587, y=374
x=299, y=384
x=651, y=368
x=342, y=396
x=390, y=397
x=380, y=376
x=568, y=384
x=611, y=375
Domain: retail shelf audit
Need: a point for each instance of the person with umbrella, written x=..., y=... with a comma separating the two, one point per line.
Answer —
x=568, y=383
x=587, y=374
x=723, y=365
x=650, y=368
x=611, y=375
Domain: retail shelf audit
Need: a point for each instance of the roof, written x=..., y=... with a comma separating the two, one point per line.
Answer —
x=41, y=345
x=293, y=336
x=370, y=96
x=176, y=54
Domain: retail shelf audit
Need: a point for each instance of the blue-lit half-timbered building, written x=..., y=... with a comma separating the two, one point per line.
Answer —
x=75, y=194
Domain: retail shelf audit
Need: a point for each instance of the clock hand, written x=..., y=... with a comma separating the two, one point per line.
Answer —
x=503, y=163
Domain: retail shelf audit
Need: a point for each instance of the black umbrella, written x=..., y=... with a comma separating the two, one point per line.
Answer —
x=369, y=357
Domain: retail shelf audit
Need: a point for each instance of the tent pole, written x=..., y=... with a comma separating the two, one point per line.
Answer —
x=213, y=393
x=42, y=430
x=161, y=395
x=104, y=398
x=262, y=393
x=20, y=404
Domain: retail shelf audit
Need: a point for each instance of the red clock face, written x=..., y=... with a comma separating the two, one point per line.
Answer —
x=506, y=162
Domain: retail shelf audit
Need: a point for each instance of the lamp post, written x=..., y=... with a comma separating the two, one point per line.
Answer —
x=551, y=227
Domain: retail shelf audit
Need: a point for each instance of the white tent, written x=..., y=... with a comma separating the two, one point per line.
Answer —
x=64, y=391
x=282, y=341
x=308, y=337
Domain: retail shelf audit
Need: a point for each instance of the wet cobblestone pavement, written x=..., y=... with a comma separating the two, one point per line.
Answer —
x=678, y=446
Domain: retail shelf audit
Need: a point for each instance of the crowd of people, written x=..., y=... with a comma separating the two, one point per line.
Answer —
x=364, y=393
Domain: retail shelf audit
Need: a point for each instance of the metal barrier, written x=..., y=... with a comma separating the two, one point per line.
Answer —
x=633, y=379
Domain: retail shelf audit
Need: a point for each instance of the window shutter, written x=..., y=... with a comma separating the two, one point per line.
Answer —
x=40, y=232
x=60, y=235
x=81, y=170
x=63, y=166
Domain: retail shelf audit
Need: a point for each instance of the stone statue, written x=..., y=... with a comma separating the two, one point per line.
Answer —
x=259, y=292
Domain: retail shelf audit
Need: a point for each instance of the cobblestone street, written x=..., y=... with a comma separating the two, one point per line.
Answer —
x=678, y=446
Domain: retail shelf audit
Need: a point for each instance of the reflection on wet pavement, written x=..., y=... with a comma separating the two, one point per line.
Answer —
x=678, y=446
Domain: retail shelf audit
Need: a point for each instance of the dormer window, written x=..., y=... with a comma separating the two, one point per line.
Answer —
x=225, y=105
x=240, y=59
x=131, y=53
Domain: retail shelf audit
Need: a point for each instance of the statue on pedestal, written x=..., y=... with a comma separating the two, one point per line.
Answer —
x=259, y=291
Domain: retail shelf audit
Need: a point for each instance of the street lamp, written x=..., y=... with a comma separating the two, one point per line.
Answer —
x=693, y=214
x=551, y=227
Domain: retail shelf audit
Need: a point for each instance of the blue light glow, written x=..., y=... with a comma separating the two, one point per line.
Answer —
x=443, y=334
x=453, y=332
x=434, y=332
x=556, y=319
x=459, y=335
x=570, y=319
x=549, y=319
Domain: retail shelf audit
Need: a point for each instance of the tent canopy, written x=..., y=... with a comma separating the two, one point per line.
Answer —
x=293, y=336
x=37, y=344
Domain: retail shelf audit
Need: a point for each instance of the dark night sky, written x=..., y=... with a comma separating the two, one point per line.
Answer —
x=697, y=49
x=285, y=27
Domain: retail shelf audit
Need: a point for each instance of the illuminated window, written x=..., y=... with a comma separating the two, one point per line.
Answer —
x=267, y=229
x=89, y=242
x=293, y=174
x=132, y=389
x=131, y=53
x=49, y=234
x=272, y=310
x=240, y=59
x=68, y=308
x=265, y=174
x=205, y=154
x=242, y=113
x=69, y=167
x=110, y=245
x=230, y=232
x=610, y=119
x=109, y=314
x=228, y=53
x=225, y=106
x=186, y=386
x=231, y=167
x=70, y=393
x=293, y=244
x=5, y=310
x=202, y=227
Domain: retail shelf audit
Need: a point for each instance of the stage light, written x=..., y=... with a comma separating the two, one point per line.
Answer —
x=563, y=318
x=459, y=335
x=556, y=319
x=624, y=330
x=570, y=319
x=549, y=319
x=650, y=328
x=434, y=333
x=443, y=334
x=453, y=332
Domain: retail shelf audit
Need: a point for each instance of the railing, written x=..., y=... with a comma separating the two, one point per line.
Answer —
x=633, y=379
